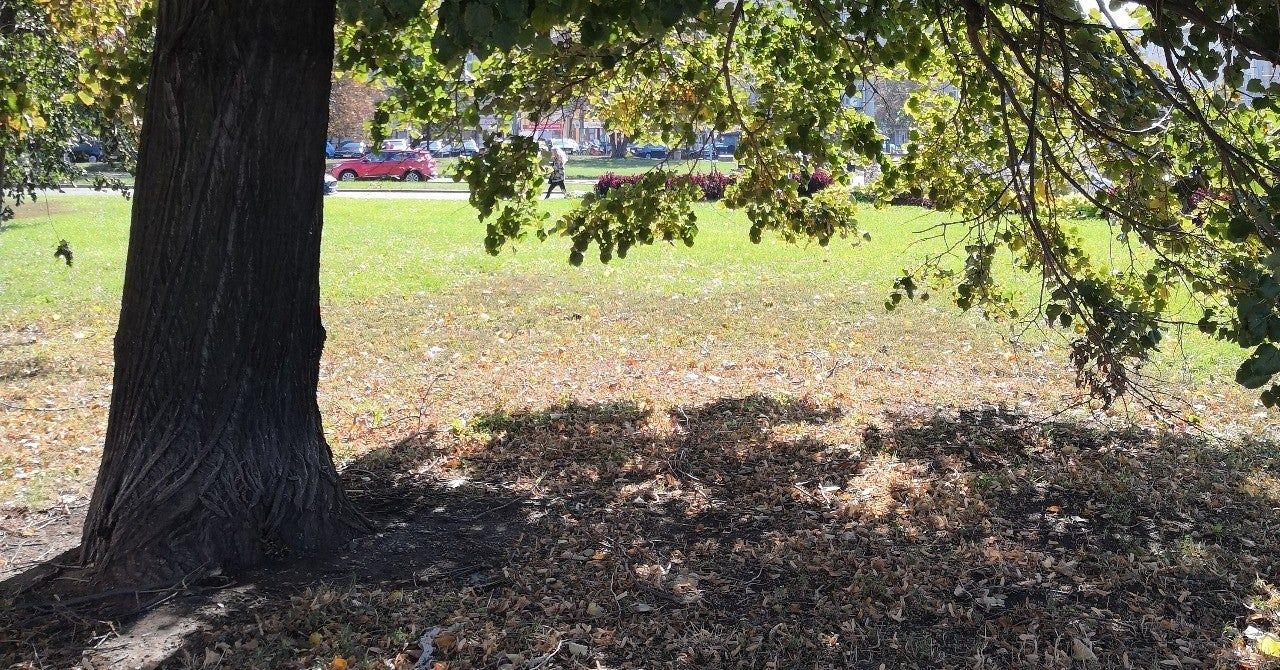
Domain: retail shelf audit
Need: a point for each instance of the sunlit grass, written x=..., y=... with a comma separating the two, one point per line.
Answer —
x=383, y=249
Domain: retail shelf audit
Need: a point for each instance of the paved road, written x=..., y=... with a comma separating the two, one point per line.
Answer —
x=368, y=194
x=399, y=194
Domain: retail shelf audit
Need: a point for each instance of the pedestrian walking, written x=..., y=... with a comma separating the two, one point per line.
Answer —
x=558, y=160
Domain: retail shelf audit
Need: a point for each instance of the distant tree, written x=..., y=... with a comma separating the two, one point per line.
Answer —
x=618, y=143
x=215, y=454
x=891, y=96
x=351, y=107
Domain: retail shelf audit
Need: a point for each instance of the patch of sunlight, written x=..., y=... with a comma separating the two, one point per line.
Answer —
x=873, y=494
x=1262, y=484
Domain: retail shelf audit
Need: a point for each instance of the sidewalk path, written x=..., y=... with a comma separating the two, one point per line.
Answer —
x=369, y=194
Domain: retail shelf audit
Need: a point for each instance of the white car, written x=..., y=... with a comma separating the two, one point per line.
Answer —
x=395, y=145
x=566, y=145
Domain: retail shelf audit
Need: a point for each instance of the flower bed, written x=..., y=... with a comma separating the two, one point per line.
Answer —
x=712, y=184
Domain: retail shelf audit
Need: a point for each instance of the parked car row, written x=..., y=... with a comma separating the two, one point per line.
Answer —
x=446, y=150
x=648, y=150
x=707, y=151
x=347, y=149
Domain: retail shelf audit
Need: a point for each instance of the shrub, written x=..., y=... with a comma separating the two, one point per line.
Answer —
x=610, y=180
x=712, y=184
x=912, y=200
x=1201, y=194
x=818, y=180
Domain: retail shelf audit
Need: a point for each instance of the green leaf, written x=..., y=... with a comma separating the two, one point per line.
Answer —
x=1259, y=367
x=478, y=19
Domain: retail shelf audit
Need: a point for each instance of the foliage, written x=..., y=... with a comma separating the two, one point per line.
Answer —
x=1076, y=206
x=35, y=69
x=816, y=181
x=1024, y=103
x=67, y=70
x=606, y=221
x=506, y=178
x=890, y=96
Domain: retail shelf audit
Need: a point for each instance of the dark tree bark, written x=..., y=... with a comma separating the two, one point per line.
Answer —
x=619, y=145
x=215, y=456
x=3, y=182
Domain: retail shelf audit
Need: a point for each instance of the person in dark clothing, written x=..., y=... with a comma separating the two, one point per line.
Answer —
x=558, y=160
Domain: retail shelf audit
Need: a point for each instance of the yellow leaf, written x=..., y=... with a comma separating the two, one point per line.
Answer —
x=339, y=663
x=1269, y=645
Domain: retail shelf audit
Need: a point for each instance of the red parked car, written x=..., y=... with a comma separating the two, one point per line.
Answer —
x=403, y=165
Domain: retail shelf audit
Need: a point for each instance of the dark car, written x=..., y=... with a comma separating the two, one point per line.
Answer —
x=86, y=151
x=649, y=151
x=444, y=149
x=350, y=149
x=720, y=148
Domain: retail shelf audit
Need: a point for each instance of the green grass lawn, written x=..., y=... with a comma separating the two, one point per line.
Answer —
x=378, y=248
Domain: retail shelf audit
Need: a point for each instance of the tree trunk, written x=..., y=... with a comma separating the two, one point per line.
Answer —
x=619, y=145
x=4, y=180
x=215, y=455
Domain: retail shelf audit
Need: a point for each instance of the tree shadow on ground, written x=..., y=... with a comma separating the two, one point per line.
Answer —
x=425, y=531
x=752, y=531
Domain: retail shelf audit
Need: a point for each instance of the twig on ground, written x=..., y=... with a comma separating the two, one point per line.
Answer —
x=543, y=661
x=491, y=510
x=21, y=408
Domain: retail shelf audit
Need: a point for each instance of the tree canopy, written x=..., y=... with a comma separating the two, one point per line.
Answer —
x=69, y=69
x=1148, y=111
